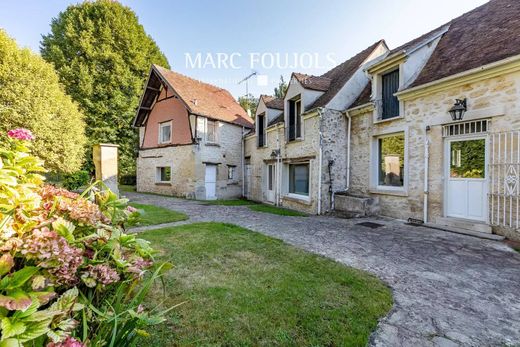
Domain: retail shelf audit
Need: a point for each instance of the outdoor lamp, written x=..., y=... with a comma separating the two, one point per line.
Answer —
x=275, y=153
x=458, y=110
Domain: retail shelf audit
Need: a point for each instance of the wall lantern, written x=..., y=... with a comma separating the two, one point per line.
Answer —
x=275, y=153
x=458, y=110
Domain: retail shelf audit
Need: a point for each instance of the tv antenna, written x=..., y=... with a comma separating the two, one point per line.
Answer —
x=246, y=79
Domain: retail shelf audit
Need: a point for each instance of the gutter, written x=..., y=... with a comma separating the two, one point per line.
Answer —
x=242, y=162
x=349, y=130
x=426, y=170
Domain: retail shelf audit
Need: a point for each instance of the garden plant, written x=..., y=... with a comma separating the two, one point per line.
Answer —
x=69, y=274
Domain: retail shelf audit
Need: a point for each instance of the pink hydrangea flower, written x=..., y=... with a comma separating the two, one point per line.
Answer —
x=68, y=342
x=21, y=134
x=131, y=209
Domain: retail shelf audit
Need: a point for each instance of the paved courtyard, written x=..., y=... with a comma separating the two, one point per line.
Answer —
x=449, y=289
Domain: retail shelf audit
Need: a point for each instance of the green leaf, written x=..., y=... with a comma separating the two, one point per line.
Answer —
x=10, y=343
x=64, y=228
x=35, y=330
x=18, y=278
x=16, y=300
x=10, y=329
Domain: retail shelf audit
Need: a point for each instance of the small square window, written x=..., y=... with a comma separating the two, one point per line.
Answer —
x=231, y=172
x=391, y=160
x=299, y=179
x=164, y=174
x=165, y=132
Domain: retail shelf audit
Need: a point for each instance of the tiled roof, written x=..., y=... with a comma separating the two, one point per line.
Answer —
x=272, y=102
x=204, y=99
x=482, y=36
x=312, y=82
x=342, y=73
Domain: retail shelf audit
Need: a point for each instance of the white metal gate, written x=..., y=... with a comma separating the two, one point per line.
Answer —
x=504, y=170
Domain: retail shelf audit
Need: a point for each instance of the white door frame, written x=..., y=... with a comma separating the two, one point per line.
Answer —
x=207, y=165
x=270, y=193
x=447, y=162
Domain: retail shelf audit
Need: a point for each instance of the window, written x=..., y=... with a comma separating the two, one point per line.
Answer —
x=165, y=132
x=260, y=120
x=211, y=131
x=270, y=176
x=391, y=160
x=299, y=179
x=231, y=172
x=390, y=103
x=295, y=126
x=164, y=174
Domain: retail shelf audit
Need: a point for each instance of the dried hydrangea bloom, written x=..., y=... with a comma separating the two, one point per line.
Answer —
x=99, y=274
x=68, y=342
x=54, y=254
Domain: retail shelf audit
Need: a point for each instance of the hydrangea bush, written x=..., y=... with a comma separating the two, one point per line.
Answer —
x=69, y=274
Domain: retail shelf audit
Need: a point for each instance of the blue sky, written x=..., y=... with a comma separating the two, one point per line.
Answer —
x=310, y=35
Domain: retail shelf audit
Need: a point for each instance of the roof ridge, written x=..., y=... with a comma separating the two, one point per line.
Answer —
x=193, y=79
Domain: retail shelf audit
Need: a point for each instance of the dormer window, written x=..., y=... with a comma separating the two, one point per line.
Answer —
x=389, y=102
x=295, y=122
x=260, y=122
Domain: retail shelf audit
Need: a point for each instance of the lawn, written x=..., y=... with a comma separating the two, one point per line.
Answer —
x=152, y=215
x=126, y=188
x=277, y=210
x=242, y=288
x=232, y=202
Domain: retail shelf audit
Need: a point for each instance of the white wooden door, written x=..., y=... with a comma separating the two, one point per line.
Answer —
x=466, y=179
x=271, y=183
x=211, y=182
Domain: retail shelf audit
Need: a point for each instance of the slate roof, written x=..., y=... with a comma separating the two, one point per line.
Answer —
x=482, y=36
x=199, y=98
x=276, y=120
x=364, y=97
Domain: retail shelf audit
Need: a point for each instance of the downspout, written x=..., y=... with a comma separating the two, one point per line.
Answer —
x=242, y=164
x=320, y=159
x=426, y=170
x=278, y=169
x=349, y=127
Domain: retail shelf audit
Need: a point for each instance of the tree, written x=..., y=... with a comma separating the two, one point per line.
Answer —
x=248, y=103
x=279, y=91
x=32, y=97
x=103, y=55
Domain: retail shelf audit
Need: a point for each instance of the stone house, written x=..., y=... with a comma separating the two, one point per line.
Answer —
x=190, y=138
x=414, y=157
x=296, y=157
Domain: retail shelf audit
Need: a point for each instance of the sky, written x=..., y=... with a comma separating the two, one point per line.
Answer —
x=222, y=42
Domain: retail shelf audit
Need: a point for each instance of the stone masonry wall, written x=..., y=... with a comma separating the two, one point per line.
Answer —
x=495, y=98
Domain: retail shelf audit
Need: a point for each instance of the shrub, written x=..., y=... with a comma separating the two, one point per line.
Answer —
x=128, y=180
x=76, y=180
x=69, y=275
x=31, y=96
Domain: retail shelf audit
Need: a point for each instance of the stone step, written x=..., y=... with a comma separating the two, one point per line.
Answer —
x=482, y=235
x=464, y=224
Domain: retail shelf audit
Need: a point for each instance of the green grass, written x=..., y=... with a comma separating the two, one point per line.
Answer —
x=232, y=202
x=152, y=215
x=277, y=210
x=241, y=288
x=125, y=188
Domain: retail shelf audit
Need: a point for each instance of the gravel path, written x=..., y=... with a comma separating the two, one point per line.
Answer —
x=449, y=289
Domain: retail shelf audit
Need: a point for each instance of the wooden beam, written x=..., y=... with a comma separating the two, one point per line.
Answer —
x=154, y=89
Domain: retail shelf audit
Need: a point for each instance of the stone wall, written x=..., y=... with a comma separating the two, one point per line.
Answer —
x=188, y=166
x=494, y=98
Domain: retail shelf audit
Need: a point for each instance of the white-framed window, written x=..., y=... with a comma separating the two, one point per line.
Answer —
x=165, y=132
x=390, y=161
x=299, y=179
x=211, y=131
x=163, y=174
x=295, y=120
x=232, y=171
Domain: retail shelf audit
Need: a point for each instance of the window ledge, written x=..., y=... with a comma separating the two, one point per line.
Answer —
x=299, y=139
x=383, y=191
x=302, y=199
x=163, y=183
x=213, y=144
x=378, y=121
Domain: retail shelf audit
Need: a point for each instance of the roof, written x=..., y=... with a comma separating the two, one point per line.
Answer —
x=482, y=36
x=276, y=120
x=200, y=98
x=339, y=75
x=312, y=82
x=272, y=102
x=364, y=97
